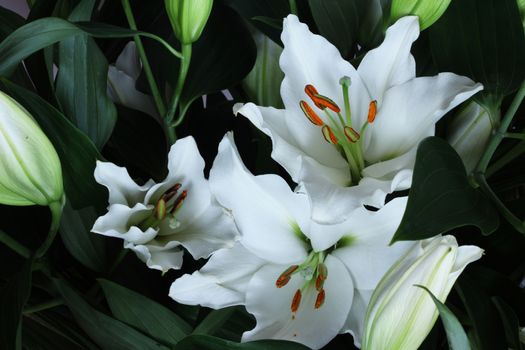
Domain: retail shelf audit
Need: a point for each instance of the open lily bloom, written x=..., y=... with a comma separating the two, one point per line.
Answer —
x=350, y=136
x=302, y=281
x=155, y=219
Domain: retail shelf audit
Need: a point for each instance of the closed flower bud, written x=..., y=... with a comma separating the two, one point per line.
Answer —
x=188, y=18
x=30, y=171
x=469, y=132
x=400, y=315
x=521, y=6
x=428, y=11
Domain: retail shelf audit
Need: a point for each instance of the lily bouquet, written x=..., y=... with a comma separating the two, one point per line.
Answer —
x=262, y=175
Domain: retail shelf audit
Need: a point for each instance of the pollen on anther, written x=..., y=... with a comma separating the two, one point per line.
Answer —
x=310, y=114
x=372, y=111
x=296, y=301
x=324, y=102
x=329, y=135
x=351, y=134
x=319, y=301
x=179, y=201
x=171, y=192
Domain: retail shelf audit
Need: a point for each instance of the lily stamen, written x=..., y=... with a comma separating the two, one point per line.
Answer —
x=296, y=301
x=310, y=114
x=329, y=135
x=319, y=301
x=285, y=277
x=372, y=111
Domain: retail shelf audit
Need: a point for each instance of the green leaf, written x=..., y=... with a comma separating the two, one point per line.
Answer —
x=206, y=342
x=338, y=22
x=77, y=153
x=510, y=323
x=144, y=314
x=488, y=45
x=81, y=83
x=13, y=297
x=214, y=321
x=87, y=247
x=9, y=22
x=456, y=336
x=107, y=332
x=441, y=197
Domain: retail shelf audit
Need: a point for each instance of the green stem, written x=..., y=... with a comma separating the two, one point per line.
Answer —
x=117, y=261
x=161, y=108
x=43, y=306
x=183, y=72
x=513, y=135
x=14, y=245
x=511, y=218
x=515, y=152
x=293, y=7
x=56, y=215
x=501, y=131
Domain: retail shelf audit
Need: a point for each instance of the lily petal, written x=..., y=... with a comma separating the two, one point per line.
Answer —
x=356, y=318
x=222, y=282
x=409, y=110
x=313, y=327
x=158, y=258
x=267, y=228
x=391, y=63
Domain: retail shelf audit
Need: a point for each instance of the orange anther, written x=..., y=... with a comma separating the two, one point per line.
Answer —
x=310, y=90
x=319, y=301
x=310, y=114
x=352, y=135
x=372, y=111
x=169, y=194
x=179, y=201
x=284, y=278
x=324, y=102
x=296, y=301
x=329, y=135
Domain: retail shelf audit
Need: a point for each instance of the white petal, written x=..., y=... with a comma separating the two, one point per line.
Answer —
x=122, y=189
x=409, y=110
x=287, y=152
x=120, y=221
x=313, y=327
x=222, y=282
x=391, y=63
x=356, y=318
x=212, y=230
x=185, y=166
x=369, y=256
x=158, y=258
x=266, y=226
x=310, y=59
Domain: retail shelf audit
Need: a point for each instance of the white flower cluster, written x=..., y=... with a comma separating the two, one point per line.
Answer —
x=306, y=263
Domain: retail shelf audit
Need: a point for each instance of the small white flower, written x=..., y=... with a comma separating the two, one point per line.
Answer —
x=156, y=218
x=350, y=136
x=302, y=281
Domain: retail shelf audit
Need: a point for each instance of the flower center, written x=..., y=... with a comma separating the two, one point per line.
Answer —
x=166, y=208
x=314, y=272
x=338, y=129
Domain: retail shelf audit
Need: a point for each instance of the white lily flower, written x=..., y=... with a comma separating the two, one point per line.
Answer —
x=155, y=219
x=302, y=281
x=350, y=136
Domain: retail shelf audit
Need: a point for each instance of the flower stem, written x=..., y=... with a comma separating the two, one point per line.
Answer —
x=183, y=72
x=505, y=159
x=501, y=131
x=117, y=261
x=14, y=245
x=161, y=108
x=293, y=7
x=56, y=215
x=44, y=306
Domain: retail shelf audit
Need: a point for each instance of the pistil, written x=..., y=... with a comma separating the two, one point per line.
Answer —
x=166, y=208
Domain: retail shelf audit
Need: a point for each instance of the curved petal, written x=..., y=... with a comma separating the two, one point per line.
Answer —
x=409, y=110
x=266, y=226
x=355, y=323
x=159, y=258
x=367, y=255
x=212, y=230
x=119, y=222
x=122, y=189
x=286, y=151
x=313, y=327
x=186, y=167
x=222, y=282
x=391, y=63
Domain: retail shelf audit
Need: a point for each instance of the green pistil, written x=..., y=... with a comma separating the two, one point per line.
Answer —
x=345, y=83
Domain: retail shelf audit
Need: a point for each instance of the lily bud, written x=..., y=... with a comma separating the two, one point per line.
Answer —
x=428, y=11
x=469, y=133
x=188, y=18
x=521, y=6
x=30, y=171
x=400, y=315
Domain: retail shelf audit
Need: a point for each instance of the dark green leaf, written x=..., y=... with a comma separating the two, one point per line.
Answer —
x=144, y=314
x=81, y=83
x=13, y=297
x=206, y=342
x=107, y=332
x=77, y=153
x=510, y=322
x=457, y=339
x=214, y=321
x=9, y=22
x=487, y=329
x=75, y=230
x=338, y=22
x=441, y=197
x=488, y=45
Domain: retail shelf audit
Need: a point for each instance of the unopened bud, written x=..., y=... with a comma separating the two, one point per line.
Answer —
x=188, y=18
x=428, y=11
